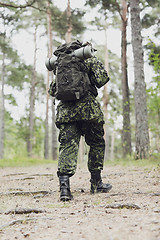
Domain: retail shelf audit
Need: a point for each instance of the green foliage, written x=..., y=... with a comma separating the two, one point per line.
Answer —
x=13, y=145
x=92, y=3
x=11, y=99
x=148, y=20
x=38, y=137
x=11, y=18
x=153, y=104
x=23, y=134
x=111, y=5
x=154, y=56
x=153, y=92
x=59, y=22
x=16, y=135
x=150, y=3
x=154, y=60
x=152, y=15
x=77, y=22
x=17, y=74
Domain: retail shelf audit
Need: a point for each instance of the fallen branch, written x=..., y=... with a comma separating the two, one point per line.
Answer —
x=155, y=194
x=12, y=223
x=22, y=221
x=19, y=193
x=26, y=178
x=123, y=205
x=14, y=174
x=44, y=174
x=148, y=193
x=117, y=194
x=24, y=211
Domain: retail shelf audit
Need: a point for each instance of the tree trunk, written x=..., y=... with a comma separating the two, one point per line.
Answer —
x=46, y=138
x=126, y=134
x=142, y=134
x=32, y=100
x=54, y=134
x=105, y=105
x=69, y=24
x=112, y=145
x=2, y=110
x=50, y=75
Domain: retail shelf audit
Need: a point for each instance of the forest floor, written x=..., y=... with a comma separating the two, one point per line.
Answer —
x=30, y=207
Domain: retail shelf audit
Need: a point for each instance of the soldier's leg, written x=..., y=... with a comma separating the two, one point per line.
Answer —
x=94, y=138
x=94, y=133
x=69, y=137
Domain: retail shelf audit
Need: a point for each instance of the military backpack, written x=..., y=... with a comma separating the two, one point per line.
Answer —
x=71, y=74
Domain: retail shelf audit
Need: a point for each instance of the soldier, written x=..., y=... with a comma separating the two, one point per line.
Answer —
x=83, y=117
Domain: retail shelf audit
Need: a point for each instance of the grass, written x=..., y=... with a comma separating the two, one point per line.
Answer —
x=24, y=162
x=59, y=205
x=153, y=161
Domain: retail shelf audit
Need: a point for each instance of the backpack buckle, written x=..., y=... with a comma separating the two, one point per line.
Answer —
x=77, y=95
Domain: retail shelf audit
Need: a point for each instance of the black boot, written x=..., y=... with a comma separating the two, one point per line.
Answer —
x=97, y=184
x=65, y=194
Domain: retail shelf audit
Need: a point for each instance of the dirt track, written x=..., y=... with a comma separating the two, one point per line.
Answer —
x=131, y=210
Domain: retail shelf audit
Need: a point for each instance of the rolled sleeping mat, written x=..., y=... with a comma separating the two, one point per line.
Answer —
x=84, y=52
x=50, y=63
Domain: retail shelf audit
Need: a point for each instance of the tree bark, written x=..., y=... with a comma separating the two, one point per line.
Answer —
x=32, y=100
x=2, y=110
x=46, y=138
x=142, y=134
x=112, y=145
x=69, y=24
x=105, y=104
x=126, y=134
x=54, y=135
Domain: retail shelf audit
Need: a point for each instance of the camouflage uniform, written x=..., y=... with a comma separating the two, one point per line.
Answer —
x=82, y=117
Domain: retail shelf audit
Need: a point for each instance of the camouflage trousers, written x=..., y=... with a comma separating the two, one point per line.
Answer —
x=69, y=138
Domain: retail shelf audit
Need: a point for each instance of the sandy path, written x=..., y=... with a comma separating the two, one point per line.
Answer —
x=131, y=210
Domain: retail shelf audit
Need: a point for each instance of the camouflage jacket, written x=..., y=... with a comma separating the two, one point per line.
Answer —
x=87, y=108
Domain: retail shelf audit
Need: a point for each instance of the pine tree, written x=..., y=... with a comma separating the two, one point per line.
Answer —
x=142, y=134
